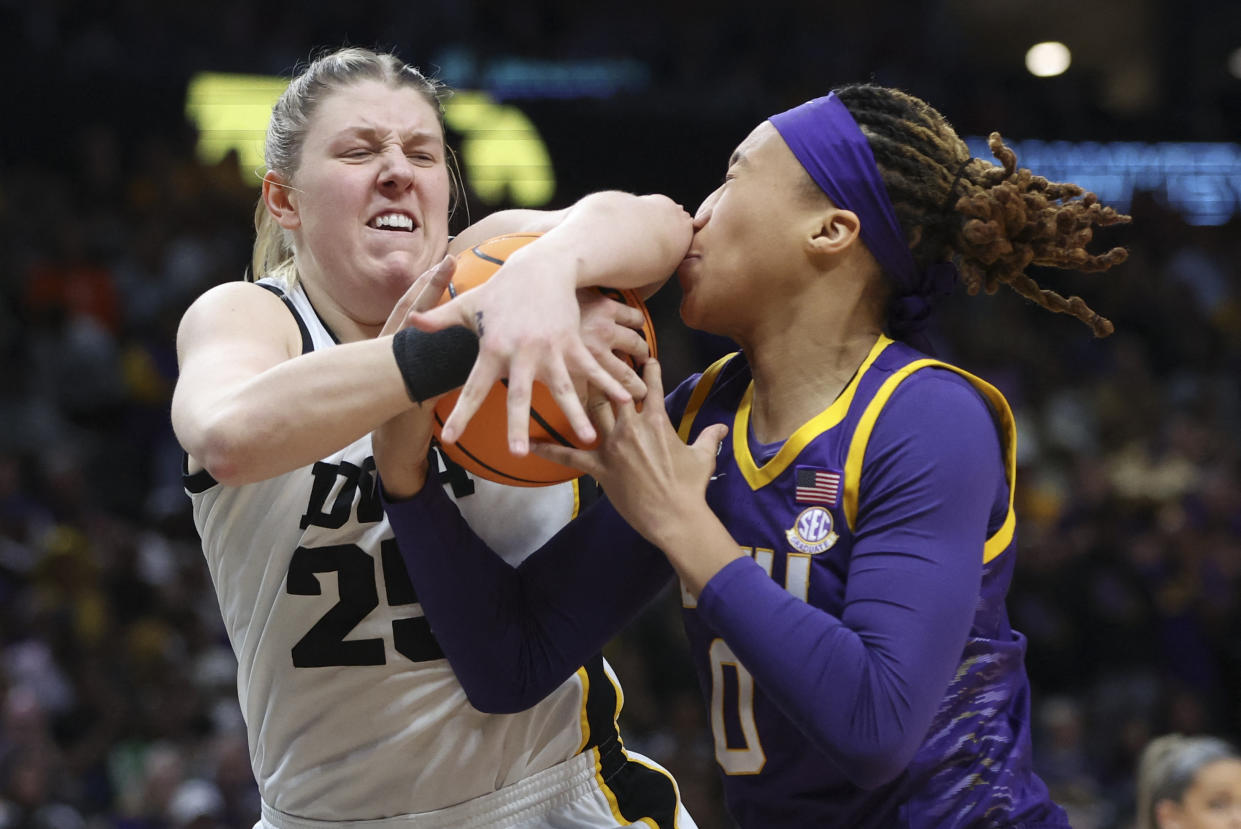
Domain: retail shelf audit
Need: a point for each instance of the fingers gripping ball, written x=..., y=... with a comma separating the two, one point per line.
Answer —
x=483, y=446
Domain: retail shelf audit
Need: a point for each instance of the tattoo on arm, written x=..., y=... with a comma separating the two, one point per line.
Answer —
x=478, y=323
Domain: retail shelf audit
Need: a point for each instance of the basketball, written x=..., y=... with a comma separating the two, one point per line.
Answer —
x=482, y=448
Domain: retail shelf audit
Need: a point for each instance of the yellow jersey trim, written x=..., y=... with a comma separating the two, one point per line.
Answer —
x=757, y=476
x=1000, y=540
x=699, y=394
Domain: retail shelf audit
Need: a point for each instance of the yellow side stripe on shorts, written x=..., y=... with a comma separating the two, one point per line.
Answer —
x=611, y=797
x=584, y=678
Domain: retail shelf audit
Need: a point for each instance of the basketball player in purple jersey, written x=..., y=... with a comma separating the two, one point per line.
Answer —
x=844, y=554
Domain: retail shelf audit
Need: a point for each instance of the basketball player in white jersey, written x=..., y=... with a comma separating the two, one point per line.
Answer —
x=352, y=712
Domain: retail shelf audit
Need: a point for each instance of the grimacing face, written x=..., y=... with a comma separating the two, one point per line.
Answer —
x=1213, y=801
x=370, y=197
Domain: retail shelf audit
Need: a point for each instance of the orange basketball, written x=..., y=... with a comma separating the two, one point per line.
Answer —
x=483, y=446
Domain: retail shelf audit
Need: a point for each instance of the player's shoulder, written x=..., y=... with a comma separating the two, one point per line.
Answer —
x=237, y=308
x=940, y=379
x=939, y=395
x=234, y=298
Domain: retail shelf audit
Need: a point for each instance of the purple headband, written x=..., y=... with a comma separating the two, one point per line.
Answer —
x=832, y=148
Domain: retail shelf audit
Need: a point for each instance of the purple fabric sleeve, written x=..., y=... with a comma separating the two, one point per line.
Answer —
x=864, y=686
x=511, y=634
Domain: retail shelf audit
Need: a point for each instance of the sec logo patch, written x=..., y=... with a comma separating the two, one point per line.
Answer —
x=813, y=531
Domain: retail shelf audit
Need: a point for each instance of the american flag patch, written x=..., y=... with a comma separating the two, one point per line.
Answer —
x=817, y=486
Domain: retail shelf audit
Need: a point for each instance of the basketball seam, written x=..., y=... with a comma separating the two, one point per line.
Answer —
x=464, y=451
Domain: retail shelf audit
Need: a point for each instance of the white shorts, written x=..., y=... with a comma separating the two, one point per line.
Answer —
x=588, y=791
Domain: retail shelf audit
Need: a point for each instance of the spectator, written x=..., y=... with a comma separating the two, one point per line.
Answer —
x=1189, y=783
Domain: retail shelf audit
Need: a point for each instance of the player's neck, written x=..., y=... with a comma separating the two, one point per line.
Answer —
x=799, y=375
x=343, y=327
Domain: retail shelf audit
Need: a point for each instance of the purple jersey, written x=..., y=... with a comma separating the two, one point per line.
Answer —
x=857, y=662
x=800, y=514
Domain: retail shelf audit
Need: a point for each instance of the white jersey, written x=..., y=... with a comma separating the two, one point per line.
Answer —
x=351, y=710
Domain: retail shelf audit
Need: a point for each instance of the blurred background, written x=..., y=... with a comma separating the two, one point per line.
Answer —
x=127, y=186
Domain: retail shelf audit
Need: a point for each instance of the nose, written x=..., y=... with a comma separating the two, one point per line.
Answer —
x=397, y=172
x=704, y=210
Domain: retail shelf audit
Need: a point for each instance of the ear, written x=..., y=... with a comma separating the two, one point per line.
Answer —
x=281, y=201
x=1168, y=814
x=836, y=231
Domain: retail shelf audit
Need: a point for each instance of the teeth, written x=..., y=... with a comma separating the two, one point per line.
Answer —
x=397, y=220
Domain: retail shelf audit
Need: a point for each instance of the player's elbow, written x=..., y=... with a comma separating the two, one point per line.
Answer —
x=869, y=749
x=877, y=763
x=676, y=221
x=222, y=461
x=671, y=227
x=496, y=698
x=489, y=702
x=225, y=448
x=528, y=679
x=873, y=772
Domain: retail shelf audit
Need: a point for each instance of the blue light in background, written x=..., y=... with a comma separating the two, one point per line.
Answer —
x=1202, y=181
x=509, y=77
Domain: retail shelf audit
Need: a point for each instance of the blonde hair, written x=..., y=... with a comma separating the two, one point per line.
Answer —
x=1168, y=767
x=290, y=121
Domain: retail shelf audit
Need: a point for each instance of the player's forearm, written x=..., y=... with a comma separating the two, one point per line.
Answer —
x=401, y=447
x=619, y=240
x=881, y=705
x=696, y=543
x=800, y=654
x=513, y=635
x=468, y=593
x=294, y=413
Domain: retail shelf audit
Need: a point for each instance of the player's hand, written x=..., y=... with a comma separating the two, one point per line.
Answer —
x=611, y=328
x=648, y=473
x=528, y=323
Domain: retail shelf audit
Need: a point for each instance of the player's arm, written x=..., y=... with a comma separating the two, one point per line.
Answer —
x=248, y=405
x=656, y=481
x=526, y=315
x=602, y=229
x=400, y=444
x=885, y=663
x=911, y=592
x=513, y=635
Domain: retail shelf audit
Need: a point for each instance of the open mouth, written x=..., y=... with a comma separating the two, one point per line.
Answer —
x=393, y=221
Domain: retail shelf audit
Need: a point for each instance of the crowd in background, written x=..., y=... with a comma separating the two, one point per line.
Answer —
x=117, y=683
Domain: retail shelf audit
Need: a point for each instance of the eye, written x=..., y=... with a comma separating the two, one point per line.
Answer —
x=356, y=152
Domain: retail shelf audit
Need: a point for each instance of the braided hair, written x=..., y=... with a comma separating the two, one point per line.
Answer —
x=995, y=221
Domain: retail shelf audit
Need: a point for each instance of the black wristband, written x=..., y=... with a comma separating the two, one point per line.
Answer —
x=435, y=362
